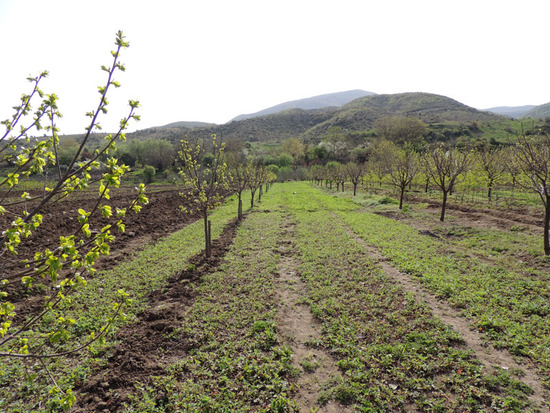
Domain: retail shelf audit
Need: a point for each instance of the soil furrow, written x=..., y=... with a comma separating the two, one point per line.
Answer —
x=490, y=357
x=151, y=343
x=300, y=330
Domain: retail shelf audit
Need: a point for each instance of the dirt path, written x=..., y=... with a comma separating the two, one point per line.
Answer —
x=486, y=353
x=298, y=328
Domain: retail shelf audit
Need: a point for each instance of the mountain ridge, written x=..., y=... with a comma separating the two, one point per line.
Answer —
x=326, y=100
x=361, y=114
x=356, y=116
x=511, y=111
x=538, y=112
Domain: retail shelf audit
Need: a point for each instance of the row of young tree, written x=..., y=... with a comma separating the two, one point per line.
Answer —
x=524, y=164
x=205, y=184
x=54, y=275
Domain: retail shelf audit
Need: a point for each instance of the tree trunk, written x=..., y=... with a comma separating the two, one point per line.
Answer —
x=443, y=206
x=402, y=195
x=342, y=187
x=240, y=208
x=260, y=193
x=337, y=186
x=252, y=198
x=209, y=238
x=427, y=185
x=206, y=243
x=547, y=226
x=354, y=188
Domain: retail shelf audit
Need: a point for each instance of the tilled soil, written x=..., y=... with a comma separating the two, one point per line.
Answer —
x=153, y=342
x=160, y=217
x=484, y=217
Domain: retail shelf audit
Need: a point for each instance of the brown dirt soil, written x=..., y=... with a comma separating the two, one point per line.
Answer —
x=297, y=325
x=486, y=218
x=157, y=219
x=153, y=342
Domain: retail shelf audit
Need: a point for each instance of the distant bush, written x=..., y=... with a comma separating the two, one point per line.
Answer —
x=388, y=200
x=148, y=173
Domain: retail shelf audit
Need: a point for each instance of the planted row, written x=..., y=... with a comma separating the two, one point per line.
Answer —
x=394, y=354
x=22, y=388
x=236, y=361
x=510, y=309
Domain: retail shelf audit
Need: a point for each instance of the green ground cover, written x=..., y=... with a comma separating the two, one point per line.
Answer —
x=21, y=389
x=394, y=354
x=237, y=362
x=517, y=249
x=506, y=304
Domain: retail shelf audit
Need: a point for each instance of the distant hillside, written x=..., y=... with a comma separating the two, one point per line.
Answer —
x=429, y=107
x=538, y=112
x=286, y=124
x=187, y=125
x=312, y=125
x=362, y=113
x=511, y=111
x=173, y=132
x=316, y=102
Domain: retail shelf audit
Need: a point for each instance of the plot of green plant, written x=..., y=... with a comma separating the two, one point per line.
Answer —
x=148, y=271
x=516, y=249
x=394, y=354
x=237, y=362
x=509, y=308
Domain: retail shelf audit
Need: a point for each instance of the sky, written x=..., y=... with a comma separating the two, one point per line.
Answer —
x=212, y=60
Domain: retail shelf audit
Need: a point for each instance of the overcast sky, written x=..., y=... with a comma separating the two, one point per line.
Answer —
x=211, y=60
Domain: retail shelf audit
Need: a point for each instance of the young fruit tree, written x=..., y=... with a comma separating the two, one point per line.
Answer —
x=206, y=181
x=40, y=334
x=241, y=173
x=257, y=178
x=533, y=158
x=445, y=166
x=403, y=169
x=331, y=169
x=355, y=172
x=492, y=164
x=341, y=177
x=381, y=154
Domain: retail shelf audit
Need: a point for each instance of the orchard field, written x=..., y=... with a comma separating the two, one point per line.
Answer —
x=315, y=301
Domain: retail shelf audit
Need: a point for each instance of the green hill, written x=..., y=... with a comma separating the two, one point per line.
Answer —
x=361, y=114
x=429, y=107
x=275, y=127
x=186, y=125
x=538, y=112
x=511, y=111
x=311, y=125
